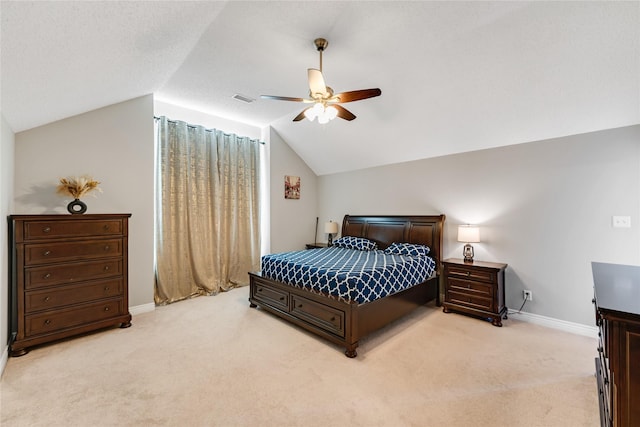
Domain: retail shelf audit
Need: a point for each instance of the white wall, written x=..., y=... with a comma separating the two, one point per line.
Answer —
x=293, y=221
x=115, y=145
x=544, y=208
x=7, y=142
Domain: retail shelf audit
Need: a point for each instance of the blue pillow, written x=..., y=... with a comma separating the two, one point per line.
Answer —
x=359, y=243
x=410, y=249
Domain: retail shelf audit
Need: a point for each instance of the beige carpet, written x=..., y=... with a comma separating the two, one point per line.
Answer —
x=213, y=361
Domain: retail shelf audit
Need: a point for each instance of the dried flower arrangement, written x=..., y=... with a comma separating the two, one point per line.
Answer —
x=77, y=186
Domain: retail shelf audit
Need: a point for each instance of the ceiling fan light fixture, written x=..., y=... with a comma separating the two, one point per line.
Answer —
x=331, y=112
x=310, y=114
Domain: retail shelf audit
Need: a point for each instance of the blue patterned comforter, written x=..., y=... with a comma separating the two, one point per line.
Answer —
x=348, y=274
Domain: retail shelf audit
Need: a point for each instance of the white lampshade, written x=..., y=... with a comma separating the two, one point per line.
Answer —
x=468, y=234
x=331, y=227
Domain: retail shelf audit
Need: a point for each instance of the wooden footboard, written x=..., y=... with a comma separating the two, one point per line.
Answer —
x=337, y=321
x=345, y=323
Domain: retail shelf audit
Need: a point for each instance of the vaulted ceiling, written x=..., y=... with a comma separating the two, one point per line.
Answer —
x=455, y=76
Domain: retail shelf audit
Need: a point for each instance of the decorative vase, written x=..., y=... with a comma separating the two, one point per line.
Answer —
x=76, y=207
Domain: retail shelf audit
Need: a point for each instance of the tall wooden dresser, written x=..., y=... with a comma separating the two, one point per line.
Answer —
x=69, y=275
x=617, y=301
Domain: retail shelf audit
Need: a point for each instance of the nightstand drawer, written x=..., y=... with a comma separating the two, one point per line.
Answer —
x=469, y=300
x=471, y=274
x=470, y=288
x=475, y=288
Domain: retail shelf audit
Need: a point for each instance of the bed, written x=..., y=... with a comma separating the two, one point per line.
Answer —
x=345, y=318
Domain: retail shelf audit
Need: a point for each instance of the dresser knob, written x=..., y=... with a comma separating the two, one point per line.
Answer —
x=47, y=322
x=259, y=289
x=333, y=319
x=468, y=273
x=46, y=229
x=47, y=253
x=47, y=299
x=106, y=268
x=106, y=288
x=106, y=309
x=46, y=276
x=106, y=227
x=281, y=298
x=106, y=248
x=299, y=305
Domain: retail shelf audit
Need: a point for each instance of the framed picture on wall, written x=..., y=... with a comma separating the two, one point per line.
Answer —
x=291, y=187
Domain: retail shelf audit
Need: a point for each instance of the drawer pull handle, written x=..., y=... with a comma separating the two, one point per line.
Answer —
x=106, y=227
x=259, y=289
x=106, y=248
x=46, y=229
x=468, y=286
x=46, y=276
x=106, y=268
x=299, y=305
x=47, y=322
x=106, y=309
x=281, y=298
x=106, y=288
x=47, y=253
x=468, y=273
x=47, y=299
x=333, y=319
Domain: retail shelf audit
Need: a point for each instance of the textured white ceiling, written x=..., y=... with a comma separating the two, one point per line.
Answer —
x=455, y=76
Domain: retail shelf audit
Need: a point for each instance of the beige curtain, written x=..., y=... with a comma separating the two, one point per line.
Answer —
x=207, y=210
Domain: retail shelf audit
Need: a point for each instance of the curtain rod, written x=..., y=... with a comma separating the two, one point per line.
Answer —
x=210, y=130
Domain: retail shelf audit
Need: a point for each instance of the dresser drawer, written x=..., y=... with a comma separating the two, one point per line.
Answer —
x=60, y=319
x=36, y=230
x=465, y=299
x=48, y=298
x=468, y=287
x=325, y=317
x=45, y=253
x=38, y=277
x=471, y=273
x=271, y=295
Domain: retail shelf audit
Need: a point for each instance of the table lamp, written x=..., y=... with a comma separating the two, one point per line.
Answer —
x=330, y=228
x=468, y=234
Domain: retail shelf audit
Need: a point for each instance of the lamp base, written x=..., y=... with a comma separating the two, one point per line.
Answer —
x=330, y=240
x=467, y=251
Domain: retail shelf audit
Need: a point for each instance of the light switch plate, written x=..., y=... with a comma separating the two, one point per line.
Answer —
x=618, y=221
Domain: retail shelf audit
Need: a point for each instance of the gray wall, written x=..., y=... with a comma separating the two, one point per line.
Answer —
x=7, y=142
x=115, y=145
x=292, y=221
x=543, y=207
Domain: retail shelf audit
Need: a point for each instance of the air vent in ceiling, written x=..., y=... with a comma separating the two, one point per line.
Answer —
x=243, y=98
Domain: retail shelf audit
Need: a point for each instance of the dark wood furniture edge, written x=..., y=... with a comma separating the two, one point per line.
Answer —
x=362, y=319
x=23, y=346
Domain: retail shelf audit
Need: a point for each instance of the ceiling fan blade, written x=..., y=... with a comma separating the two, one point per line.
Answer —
x=285, y=98
x=356, y=95
x=343, y=113
x=301, y=115
x=316, y=83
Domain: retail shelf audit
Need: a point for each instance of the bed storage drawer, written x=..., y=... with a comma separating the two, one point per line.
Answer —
x=263, y=291
x=325, y=317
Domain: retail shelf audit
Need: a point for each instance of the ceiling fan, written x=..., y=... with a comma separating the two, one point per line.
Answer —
x=326, y=105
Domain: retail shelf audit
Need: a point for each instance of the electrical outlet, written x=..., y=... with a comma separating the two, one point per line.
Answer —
x=618, y=221
x=527, y=294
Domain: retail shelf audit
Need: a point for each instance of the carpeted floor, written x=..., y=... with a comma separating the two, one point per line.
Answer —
x=213, y=361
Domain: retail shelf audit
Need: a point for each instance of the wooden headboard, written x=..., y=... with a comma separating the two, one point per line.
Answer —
x=384, y=230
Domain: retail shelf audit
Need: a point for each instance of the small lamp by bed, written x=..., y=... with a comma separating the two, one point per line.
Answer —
x=468, y=234
x=330, y=228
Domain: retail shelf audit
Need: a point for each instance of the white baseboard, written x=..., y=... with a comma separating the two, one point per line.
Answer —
x=549, y=322
x=4, y=359
x=144, y=308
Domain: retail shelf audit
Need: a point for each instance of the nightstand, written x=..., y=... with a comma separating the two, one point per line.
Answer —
x=475, y=288
x=316, y=245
